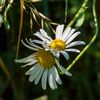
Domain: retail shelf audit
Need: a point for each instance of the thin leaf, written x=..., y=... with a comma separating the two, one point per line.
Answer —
x=34, y=13
x=80, y=21
x=66, y=8
x=44, y=17
x=42, y=23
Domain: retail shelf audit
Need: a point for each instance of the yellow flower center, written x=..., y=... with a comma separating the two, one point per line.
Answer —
x=57, y=44
x=45, y=58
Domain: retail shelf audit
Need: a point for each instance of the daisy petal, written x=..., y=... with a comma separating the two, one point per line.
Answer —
x=65, y=54
x=47, y=49
x=26, y=59
x=34, y=73
x=45, y=44
x=31, y=63
x=55, y=53
x=39, y=76
x=32, y=70
x=34, y=45
x=39, y=35
x=29, y=47
x=63, y=69
x=45, y=34
x=37, y=41
x=70, y=33
x=59, y=31
x=52, y=71
x=73, y=50
x=52, y=82
x=72, y=37
x=75, y=43
x=56, y=75
x=66, y=32
x=44, y=79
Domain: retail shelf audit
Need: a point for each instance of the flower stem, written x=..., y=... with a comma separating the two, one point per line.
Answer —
x=92, y=40
x=66, y=8
x=81, y=10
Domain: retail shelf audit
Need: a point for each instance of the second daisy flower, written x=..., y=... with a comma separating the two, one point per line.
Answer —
x=62, y=42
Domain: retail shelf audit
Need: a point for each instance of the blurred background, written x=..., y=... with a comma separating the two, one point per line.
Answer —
x=85, y=82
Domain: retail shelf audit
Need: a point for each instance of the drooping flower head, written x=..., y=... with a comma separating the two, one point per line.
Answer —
x=44, y=65
x=62, y=42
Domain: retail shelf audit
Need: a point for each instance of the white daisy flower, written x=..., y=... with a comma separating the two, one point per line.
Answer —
x=62, y=42
x=44, y=65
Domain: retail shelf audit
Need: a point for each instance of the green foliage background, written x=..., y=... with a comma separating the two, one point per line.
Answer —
x=85, y=82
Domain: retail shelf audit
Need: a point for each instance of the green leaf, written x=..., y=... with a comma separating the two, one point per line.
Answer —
x=80, y=21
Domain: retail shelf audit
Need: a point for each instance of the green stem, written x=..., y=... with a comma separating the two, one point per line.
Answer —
x=66, y=8
x=81, y=10
x=92, y=40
